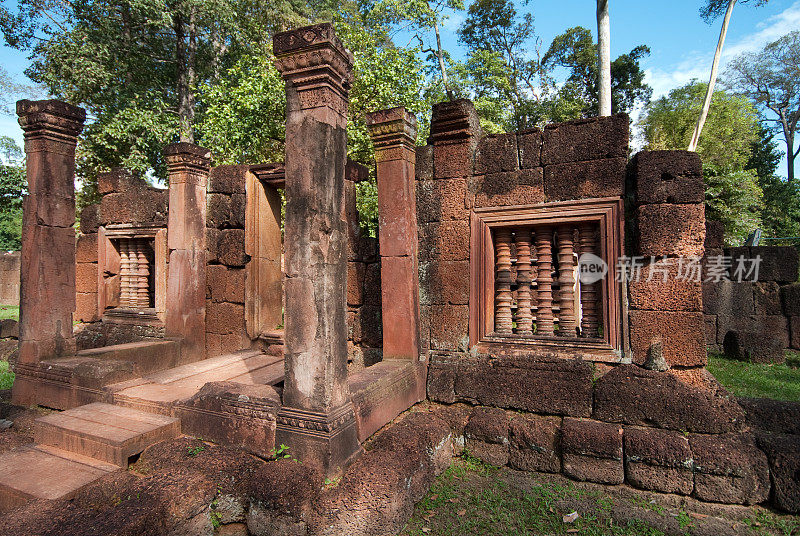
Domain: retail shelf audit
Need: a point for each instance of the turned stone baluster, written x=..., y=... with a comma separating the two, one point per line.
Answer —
x=143, y=275
x=566, y=269
x=524, y=315
x=124, y=274
x=502, y=315
x=590, y=307
x=544, y=267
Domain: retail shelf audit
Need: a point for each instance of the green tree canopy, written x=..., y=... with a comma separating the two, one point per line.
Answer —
x=733, y=194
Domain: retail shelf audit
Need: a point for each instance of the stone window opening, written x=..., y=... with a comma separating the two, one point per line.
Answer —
x=137, y=272
x=525, y=284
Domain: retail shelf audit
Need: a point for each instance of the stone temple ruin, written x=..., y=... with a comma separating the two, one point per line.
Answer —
x=470, y=298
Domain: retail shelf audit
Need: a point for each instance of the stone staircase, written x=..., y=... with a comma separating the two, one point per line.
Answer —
x=76, y=447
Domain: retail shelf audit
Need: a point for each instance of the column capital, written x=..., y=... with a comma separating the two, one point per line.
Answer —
x=317, y=64
x=51, y=119
x=454, y=121
x=183, y=156
x=392, y=131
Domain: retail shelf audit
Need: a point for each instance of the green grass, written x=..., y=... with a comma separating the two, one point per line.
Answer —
x=9, y=311
x=472, y=499
x=6, y=376
x=779, y=382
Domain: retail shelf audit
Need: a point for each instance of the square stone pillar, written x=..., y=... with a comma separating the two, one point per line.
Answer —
x=394, y=135
x=185, y=315
x=47, y=271
x=316, y=421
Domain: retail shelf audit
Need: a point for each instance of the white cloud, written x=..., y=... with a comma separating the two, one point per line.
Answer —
x=697, y=64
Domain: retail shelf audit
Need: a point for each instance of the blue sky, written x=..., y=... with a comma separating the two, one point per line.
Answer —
x=681, y=43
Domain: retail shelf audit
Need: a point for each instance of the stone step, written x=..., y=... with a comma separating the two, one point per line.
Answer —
x=43, y=472
x=107, y=433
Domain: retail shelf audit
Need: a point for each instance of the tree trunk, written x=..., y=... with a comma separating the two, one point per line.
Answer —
x=185, y=51
x=604, y=56
x=440, y=57
x=698, y=129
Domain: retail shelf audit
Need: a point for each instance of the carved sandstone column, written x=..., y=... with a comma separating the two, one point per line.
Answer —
x=316, y=421
x=524, y=279
x=185, y=315
x=503, y=320
x=544, y=266
x=566, y=278
x=47, y=266
x=589, y=305
x=394, y=135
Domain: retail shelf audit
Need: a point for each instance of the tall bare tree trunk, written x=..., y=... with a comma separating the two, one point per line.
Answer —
x=185, y=52
x=698, y=129
x=604, y=56
x=440, y=57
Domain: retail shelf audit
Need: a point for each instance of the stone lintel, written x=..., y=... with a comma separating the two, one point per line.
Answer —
x=52, y=119
x=273, y=174
x=393, y=133
x=453, y=122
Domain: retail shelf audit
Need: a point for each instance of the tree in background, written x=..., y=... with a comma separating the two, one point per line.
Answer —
x=771, y=79
x=733, y=195
x=710, y=11
x=576, y=51
x=12, y=188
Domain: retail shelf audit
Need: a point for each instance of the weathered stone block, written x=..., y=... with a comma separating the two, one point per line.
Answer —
x=372, y=284
x=790, y=297
x=682, y=335
x=671, y=230
x=751, y=346
x=658, y=295
x=778, y=263
x=658, y=460
x=145, y=206
x=496, y=153
x=715, y=235
x=442, y=200
x=46, y=209
x=795, y=332
x=488, y=424
x=530, y=148
x=491, y=453
x=371, y=323
x=447, y=240
x=668, y=177
x=452, y=160
x=119, y=180
x=86, y=277
x=710, y=322
x=225, y=284
x=355, y=283
x=783, y=455
x=9, y=328
x=632, y=395
x=512, y=188
x=230, y=247
x=228, y=343
x=449, y=327
x=86, y=307
x=89, y=219
x=562, y=387
x=218, y=212
x=728, y=297
x=86, y=248
x=592, y=451
x=583, y=180
x=775, y=416
x=228, y=179
x=224, y=318
x=763, y=328
x=445, y=282
x=441, y=383
x=535, y=443
x=586, y=139
x=424, y=163
x=729, y=469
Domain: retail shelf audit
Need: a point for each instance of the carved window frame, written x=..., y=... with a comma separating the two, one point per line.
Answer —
x=605, y=212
